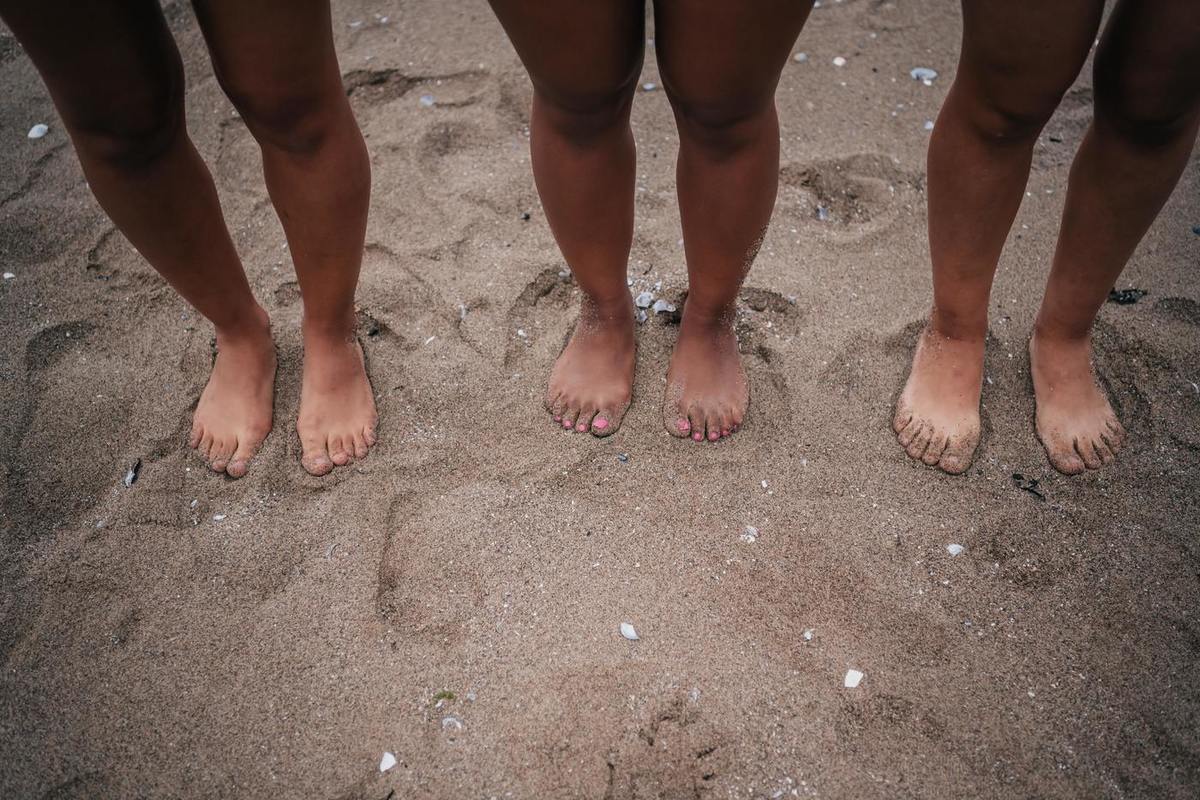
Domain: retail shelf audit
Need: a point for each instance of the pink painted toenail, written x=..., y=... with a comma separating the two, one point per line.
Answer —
x=713, y=436
x=682, y=425
x=725, y=432
x=698, y=436
x=581, y=427
x=566, y=423
x=600, y=424
x=558, y=417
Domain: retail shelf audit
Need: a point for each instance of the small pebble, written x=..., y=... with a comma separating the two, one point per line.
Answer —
x=8, y=276
x=629, y=632
x=38, y=131
x=525, y=216
x=641, y=315
x=387, y=762
x=623, y=458
x=808, y=634
x=838, y=61
x=131, y=474
x=954, y=549
x=451, y=723
x=928, y=125
x=853, y=679
x=750, y=534
x=800, y=58
x=218, y=517
x=822, y=214
x=649, y=86
x=427, y=100
x=661, y=305
x=644, y=300
x=1196, y=229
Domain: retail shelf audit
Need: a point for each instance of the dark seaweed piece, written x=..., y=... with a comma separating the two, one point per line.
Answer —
x=1125, y=297
x=1028, y=485
x=525, y=216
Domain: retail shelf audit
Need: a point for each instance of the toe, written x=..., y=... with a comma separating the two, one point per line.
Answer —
x=1106, y=455
x=1113, y=435
x=680, y=427
x=602, y=423
x=361, y=448
x=238, y=463
x=901, y=418
x=196, y=436
x=712, y=426
x=339, y=452
x=584, y=421
x=696, y=424
x=220, y=453
x=916, y=448
x=937, y=446
x=1087, y=452
x=1063, y=457
x=369, y=435
x=957, y=455
x=909, y=432
x=568, y=419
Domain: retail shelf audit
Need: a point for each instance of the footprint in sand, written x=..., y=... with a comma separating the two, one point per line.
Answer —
x=847, y=199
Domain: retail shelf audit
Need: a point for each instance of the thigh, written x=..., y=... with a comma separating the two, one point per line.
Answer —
x=268, y=53
x=1022, y=55
x=111, y=66
x=712, y=53
x=579, y=53
x=1147, y=67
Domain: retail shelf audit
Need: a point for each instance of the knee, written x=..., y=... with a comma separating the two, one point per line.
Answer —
x=721, y=124
x=133, y=131
x=295, y=119
x=1140, y=109
x=584, y=114
x=1010, y=118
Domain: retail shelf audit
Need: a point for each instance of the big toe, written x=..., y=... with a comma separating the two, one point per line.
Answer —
x=956, y=458
x=315, y=460
x=1063, y=457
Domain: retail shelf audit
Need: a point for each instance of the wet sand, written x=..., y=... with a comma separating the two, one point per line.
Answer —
x=455, y=598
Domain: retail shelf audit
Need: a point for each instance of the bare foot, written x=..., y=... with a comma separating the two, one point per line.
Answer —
x=707, y=394
x=1075, y=422
x=337, y=408
x=592, y=381
x=234, y=413
x=937, y=415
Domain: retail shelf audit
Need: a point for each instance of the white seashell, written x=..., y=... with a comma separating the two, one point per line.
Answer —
x=954, y=549
x=387, y=762
x=750, y=534
x=839, y=61
x=661, y=305
x=644, y=300
x=923, y=74
x=8, y=276
x=853, y=679
x=641, y=315
x=808, y=634
x=38, y=131
x=928, y=124
x=629, y=632
x=451, y=723
x=218, y=517
x=800, y=58
x=426, y=100
x=649, y=86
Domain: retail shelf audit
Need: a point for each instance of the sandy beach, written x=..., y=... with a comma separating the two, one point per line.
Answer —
x=455, y=598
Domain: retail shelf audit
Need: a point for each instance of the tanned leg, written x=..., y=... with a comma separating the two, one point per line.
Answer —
x=1147, y=86
x=117, y=81
x=276, y=61
x=1018, y=58
x=584, y=58
x=720, y=64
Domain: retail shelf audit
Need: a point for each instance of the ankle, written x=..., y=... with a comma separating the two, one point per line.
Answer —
x=1046, y=332
x=253, y=325
x=957, y=327
x=618, y=308
x=709, y=316
x=339, y=328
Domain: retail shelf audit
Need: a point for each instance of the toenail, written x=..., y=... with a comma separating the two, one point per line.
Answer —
x=713, y=436
x=566, y=423
x=682, y=425
x=600, y=424
x=558, y=417
x=581, y=427
x=698, y=436
x=725, y=431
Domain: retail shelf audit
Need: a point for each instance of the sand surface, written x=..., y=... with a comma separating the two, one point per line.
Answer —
x=455, y=598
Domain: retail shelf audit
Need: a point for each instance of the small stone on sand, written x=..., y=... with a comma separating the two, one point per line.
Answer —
x=954, y=549
x=800, y=58
x=928, y=124
x=427, y=100
x=661, y=305
x=644, y=300
x=649, y=86
x=853, y=679
x=750, y=534
x=629, y=632
x=838, y=61
x=38, y=131
x=387, y=762
x=808, y=634
x=8, y=276
x=923, y=74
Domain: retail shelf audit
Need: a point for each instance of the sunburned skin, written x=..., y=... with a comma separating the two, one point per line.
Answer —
x=591, y=384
